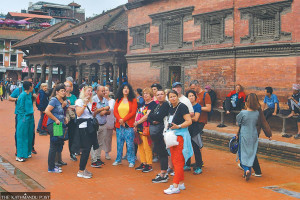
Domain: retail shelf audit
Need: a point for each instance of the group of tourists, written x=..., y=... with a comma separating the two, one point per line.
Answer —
x=153, y=122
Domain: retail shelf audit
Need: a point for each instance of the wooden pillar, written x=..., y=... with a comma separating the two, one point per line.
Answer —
x=79, y=75
x=115, y=87
x=63, y=76
x=29, y=70
x=43, y=73
x=73, y=72
x=67, y=71
x=35, y=74
x=58, y=73
x=107, y=73
x=100, y=75
x=96, y=72
x=90, y=74
x=120, y=75
x=50, y=76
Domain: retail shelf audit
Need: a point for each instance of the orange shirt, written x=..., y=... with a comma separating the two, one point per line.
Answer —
x=204, y=115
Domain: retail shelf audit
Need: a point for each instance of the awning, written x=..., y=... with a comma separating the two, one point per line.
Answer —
x=2, y=69
x=25, y=70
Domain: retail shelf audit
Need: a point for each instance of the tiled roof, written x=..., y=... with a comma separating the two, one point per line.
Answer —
x=26, y=15
x=115, y=19
x=15, y=34
x=46, y=35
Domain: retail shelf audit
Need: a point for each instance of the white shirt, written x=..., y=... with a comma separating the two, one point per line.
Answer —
x=183, y=99
x=86, y=114
x=111, y=118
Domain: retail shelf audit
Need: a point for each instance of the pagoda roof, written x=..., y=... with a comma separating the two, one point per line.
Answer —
x=44, y=36
x=112, y=20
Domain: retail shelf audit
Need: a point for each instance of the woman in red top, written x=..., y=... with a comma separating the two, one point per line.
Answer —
x=124, y=112
x=235, y=100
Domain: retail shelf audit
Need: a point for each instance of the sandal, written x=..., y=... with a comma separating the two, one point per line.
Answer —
x=247, y=175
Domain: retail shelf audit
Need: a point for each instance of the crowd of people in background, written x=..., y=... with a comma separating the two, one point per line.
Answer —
x=145, y=119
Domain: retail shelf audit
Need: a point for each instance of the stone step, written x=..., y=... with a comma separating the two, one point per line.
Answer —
x=13, y=179
x=273, y=150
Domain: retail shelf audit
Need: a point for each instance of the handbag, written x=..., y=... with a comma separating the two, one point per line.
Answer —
x=137, y=138
x=146, y=131
x=58, y=129
x=170, y=137
x=94, y=122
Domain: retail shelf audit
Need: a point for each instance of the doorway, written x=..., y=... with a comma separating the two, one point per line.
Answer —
x=174, y=75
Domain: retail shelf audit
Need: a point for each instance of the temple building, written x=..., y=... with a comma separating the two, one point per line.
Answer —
x=254, y=43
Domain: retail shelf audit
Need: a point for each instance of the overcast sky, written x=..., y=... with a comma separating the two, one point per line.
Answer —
x=91, y=6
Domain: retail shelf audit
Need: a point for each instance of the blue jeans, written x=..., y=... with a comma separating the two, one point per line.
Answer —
x=243, y=166
x=39, y=128
x=125, y=134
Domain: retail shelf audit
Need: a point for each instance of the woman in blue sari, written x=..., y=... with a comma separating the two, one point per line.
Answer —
x=25, y=125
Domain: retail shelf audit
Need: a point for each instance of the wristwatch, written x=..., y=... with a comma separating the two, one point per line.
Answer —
x=179, y=126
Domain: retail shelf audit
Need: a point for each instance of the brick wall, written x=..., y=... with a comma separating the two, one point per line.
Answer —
x=141, y=75
x=223, y=74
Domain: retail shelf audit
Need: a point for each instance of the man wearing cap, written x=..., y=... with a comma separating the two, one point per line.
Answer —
x=177, y=86
x=294, y=105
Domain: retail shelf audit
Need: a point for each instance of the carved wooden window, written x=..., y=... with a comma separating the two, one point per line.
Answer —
x=265, y=22
x=138, y=35
x=213, y=27
x=170, y=25
x=173, y=32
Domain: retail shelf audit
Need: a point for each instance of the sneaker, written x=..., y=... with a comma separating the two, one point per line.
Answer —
x=131, y=165
x=33, y=151
x=124, y=157
x=58, y=164
x=107, y=156
x=155, y=159
x=186, y=168
x=181, y=186
x=286, y=135
x=62, y=162
x=297, y=136
x=171, y=172
x=116, y=163
x=257, y=175
x=147, y=169
x=90, y=173
x=73, y=157
x=160, y=179
x=197, y=171
x=141, y=167
x=96, y=165
x=172, y=190
x=99, y=161
x=84, y=174
x=20, y=159
x=55, y=170
x=29, y=156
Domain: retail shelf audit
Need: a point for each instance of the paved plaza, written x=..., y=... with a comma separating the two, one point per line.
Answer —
x=221, y=178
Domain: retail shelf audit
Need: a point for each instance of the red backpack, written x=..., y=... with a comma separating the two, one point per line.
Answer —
x=37, y=100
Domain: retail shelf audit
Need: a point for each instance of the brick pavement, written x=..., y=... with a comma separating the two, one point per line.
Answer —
x=221, y=179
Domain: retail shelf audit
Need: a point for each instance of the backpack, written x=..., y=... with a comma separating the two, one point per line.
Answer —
x=37, y=100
